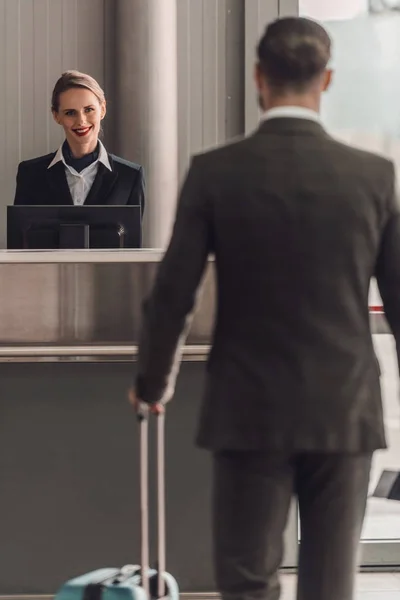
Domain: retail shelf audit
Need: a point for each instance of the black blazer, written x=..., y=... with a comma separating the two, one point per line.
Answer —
x=38, y=185
x=298, y=223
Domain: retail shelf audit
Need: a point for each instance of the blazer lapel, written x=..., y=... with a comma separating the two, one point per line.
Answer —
x=59, y=185
x=102, y=185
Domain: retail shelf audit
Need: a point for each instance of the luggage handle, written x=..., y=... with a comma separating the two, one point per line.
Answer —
x=143, y=417
x=124, y=574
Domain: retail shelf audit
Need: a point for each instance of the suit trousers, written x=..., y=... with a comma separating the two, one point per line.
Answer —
x=252, y=493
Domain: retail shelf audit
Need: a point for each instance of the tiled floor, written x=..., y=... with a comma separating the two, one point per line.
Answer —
x=370, y=586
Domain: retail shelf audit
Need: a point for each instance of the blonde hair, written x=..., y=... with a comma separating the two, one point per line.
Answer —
x=75, y=79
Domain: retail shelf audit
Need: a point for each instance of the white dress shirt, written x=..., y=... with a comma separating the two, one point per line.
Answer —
x=294, y=112
x=80, y=183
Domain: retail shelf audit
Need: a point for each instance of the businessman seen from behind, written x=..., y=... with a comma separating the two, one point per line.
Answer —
x=299, y=224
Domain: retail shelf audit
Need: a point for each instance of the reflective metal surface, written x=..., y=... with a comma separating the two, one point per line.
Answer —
x=44, y=353
x=62, y=310
x=80, y=256
x=67, y=311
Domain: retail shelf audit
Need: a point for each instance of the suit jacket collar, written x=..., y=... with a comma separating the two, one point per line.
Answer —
x=292, y=126
x=103, y=184
x=58, y=184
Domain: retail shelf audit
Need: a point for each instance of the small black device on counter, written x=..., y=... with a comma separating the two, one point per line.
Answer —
x=73, y=227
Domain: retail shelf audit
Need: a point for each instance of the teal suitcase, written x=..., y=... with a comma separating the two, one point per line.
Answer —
x=134, y=582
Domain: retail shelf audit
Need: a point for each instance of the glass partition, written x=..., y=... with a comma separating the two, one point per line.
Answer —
x=363, y=109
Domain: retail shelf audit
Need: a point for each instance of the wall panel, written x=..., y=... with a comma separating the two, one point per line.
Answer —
x=41, y=38
x=10, y=92
x=257, y=14
x=38, y=40
x=210, y=74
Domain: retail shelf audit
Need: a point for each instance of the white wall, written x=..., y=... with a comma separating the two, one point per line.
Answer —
x=327, y=10
x=363, y=105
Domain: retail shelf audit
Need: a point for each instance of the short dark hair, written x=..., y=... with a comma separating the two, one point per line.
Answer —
x=293, y=52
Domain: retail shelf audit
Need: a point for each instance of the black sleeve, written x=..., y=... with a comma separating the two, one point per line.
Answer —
x=137, y=195
x=167, y=312
x=22, y=192
x=388, y=264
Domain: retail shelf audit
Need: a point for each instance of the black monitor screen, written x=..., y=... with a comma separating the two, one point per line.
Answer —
x=57, y=227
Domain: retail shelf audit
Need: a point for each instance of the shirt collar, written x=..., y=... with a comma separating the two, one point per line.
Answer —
x=58, y=157
x=103, y=157
x=294, y=112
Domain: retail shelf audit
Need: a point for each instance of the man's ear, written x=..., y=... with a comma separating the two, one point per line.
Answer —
x=327, y=80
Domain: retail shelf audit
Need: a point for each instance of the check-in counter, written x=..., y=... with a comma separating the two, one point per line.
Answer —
x=69, y=500
x=86, y=305
x=71, y=305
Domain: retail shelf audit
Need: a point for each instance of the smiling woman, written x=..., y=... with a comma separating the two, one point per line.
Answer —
x=81, y=171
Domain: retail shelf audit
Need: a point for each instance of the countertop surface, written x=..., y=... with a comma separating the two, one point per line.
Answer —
x=80, y=256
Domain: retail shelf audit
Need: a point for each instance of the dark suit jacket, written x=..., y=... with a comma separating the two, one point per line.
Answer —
x=298, y=223
x=36, y=184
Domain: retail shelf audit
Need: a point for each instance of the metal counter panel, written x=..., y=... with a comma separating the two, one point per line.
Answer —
x=69, y=460
x=65, y=310
x=85, y=304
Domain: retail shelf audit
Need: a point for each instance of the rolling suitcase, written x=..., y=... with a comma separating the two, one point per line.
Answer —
x=134, y=582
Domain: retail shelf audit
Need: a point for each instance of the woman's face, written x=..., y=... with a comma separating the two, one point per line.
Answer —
x=80, y=114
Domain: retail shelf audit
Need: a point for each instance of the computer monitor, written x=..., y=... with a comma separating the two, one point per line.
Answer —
x=61, y=227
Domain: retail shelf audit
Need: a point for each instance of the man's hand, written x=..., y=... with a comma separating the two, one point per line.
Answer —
x=155, y=409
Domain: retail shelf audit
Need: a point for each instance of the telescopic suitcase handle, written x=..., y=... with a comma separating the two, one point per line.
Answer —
x=143, y=417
